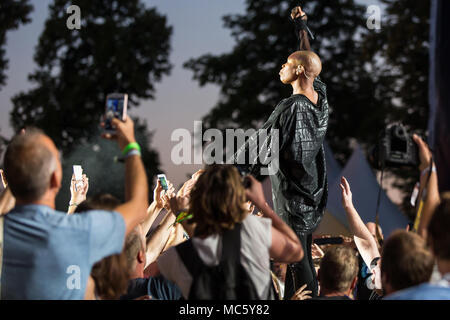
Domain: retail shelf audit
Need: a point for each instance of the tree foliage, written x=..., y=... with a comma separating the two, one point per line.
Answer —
x=248, y=75
x=13, y=13
x=122, y=46
x=399, y=54
x=99, y=159
x=373, y=77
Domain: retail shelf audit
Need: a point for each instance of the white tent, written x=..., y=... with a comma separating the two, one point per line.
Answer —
x=330, y=225
x=365, y=187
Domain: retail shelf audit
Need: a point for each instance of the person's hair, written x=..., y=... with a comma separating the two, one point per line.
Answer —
x=133, y=245
x=438, y=229
x=102, y=201
x=406, y=261
x=111, y=274
x=338, y=268
x=29, y=165
x=217, y=201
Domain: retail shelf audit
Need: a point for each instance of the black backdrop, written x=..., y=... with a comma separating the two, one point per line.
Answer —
x=439, y=93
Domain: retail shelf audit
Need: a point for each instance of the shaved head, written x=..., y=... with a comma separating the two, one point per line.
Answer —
x=30, y=160
x=309, y=60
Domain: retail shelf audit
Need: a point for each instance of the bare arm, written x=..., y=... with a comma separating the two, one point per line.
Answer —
x=157, y=241
x=77, y=195
x=160, y=201
x=286, y=246
x=136, y=189
x=7, y=201
x=432, y=198
x=367, y=244
x=176, y=237
x=297, y=13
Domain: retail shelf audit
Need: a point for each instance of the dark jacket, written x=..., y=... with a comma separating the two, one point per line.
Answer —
x=299, y=188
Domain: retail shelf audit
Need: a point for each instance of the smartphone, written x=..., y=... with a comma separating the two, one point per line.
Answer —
x=78, y=173
x=332, y=240
x=116, y=107
x=162, y=178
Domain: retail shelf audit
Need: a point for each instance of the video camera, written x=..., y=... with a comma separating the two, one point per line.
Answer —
x=395, y=148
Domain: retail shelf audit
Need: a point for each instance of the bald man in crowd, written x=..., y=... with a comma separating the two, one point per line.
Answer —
x=299, y=185
x=45, y=253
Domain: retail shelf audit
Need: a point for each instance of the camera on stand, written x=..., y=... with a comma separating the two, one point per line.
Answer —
x=395, y=148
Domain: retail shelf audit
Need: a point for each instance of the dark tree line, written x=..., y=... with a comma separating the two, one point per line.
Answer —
x=374, y=77
x=122, y=46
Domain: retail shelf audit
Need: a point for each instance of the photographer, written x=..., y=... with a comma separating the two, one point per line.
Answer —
x=48, y=254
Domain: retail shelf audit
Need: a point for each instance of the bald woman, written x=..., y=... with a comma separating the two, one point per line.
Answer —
x=299, y=187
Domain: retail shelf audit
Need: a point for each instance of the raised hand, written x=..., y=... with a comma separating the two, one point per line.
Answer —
x=316, y=252
x=347, y=201
x=297, y=12
x=3, y=179
x=178, y=203
x=302, y=294
x=255, y=192
x=124, y=132
x=425, y=154
x=78, y=194
x=161, y=196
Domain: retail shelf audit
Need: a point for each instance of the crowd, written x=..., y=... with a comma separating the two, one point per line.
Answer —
x=217, y=238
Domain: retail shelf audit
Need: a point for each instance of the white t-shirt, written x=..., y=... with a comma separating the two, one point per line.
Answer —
x=256, y=239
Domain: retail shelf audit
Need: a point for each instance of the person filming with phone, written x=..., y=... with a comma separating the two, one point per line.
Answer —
x=48, y=254
x=228, y=243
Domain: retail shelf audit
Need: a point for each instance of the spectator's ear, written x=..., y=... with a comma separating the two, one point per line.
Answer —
x=354, y=282
x=385, y=283
x=55, y=180
x=141, y=256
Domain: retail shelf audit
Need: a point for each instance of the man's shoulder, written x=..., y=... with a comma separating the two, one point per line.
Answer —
x=425, y=291
x=46, y=216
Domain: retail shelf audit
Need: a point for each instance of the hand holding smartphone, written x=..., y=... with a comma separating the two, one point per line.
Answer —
x=163, y=180
x=78, y=173
x=116, y=107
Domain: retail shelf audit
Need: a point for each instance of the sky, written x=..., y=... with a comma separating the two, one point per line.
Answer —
x=179, y=101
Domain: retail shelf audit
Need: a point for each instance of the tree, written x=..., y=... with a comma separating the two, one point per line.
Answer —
x=248, y=75
x=13, y=13
x=121, y=46
x=399, y=53
x=99, y=159
x=367, y=72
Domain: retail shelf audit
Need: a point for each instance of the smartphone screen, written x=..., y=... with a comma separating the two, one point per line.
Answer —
x=78, y=173
x=163, y=180
x=116, y=105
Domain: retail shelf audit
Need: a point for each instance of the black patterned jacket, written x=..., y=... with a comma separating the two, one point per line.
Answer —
x=299, y=187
